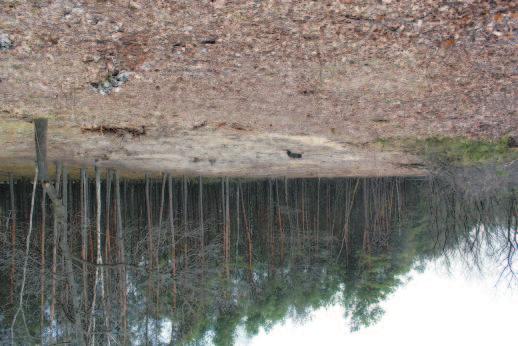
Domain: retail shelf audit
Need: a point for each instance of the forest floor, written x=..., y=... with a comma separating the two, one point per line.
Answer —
x=225, y=87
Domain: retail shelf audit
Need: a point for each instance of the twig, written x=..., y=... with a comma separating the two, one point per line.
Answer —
x=27, y=246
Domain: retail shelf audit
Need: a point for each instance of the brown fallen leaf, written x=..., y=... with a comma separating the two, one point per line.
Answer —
x=448, y=43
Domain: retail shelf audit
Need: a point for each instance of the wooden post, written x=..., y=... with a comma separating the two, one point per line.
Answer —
x=40, y=136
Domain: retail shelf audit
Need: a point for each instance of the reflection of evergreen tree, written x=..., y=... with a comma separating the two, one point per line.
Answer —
x=247, y=253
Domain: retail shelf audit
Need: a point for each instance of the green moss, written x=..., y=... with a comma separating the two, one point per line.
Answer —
x=455, y=150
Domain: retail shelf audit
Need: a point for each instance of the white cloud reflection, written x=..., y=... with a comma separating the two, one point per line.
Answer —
x=436, y=307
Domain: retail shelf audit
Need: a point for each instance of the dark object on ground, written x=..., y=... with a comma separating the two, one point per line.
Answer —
x=512, y=142
x=293, y=155
x=412, y=165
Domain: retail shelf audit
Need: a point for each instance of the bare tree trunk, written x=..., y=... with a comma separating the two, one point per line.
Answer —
x=185, y=192
x=332, y=210
x=99, y=271
x=107, y=213
x=317, y=223
x=173, y=239
x=150, y=248
x=55, y=241
x=237, y=221
x=108, y=219
x=297, y=218
x=303, y=208
x=65, y=291
x=13, y=239
x=159, y=233
x=349, y=203
x=200, y=211
x=227, y=228
x=290, y=223
x=279, y=221
x=365, y=218
x=161, y=213
x=122, y=259
x=248, y=236
x=224, y=215
x=67, y=258
x=26, y=258
x=270, y=226
x=42, y=260
x=149, y=224
x=328, y=210
x=84, y=235
x=99, y=251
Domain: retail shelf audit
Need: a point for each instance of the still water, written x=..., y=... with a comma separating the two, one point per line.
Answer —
x=157, y=259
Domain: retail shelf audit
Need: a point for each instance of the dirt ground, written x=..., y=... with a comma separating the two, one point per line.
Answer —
x=225, y=87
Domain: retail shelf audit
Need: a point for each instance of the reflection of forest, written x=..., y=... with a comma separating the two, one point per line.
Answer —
x=189, y=260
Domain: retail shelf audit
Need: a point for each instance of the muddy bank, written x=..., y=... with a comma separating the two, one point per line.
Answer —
x=206, y=151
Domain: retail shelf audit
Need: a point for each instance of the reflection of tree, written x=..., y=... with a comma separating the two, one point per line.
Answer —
x=190, y=260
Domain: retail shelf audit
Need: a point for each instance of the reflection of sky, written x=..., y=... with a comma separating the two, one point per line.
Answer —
x=434, y=308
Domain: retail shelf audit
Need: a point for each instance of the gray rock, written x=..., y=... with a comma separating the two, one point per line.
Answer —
x=111, y=83
x=5, y=42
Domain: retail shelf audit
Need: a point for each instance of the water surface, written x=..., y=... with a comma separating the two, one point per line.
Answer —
x=158, y=259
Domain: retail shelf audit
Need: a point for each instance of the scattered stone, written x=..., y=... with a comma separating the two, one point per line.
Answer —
x=209, y=40
x=112, y=83
x=5, y=42
x=200, y=125
x=178, y=47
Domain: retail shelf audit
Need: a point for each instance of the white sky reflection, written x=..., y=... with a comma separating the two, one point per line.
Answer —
x=434, y=308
